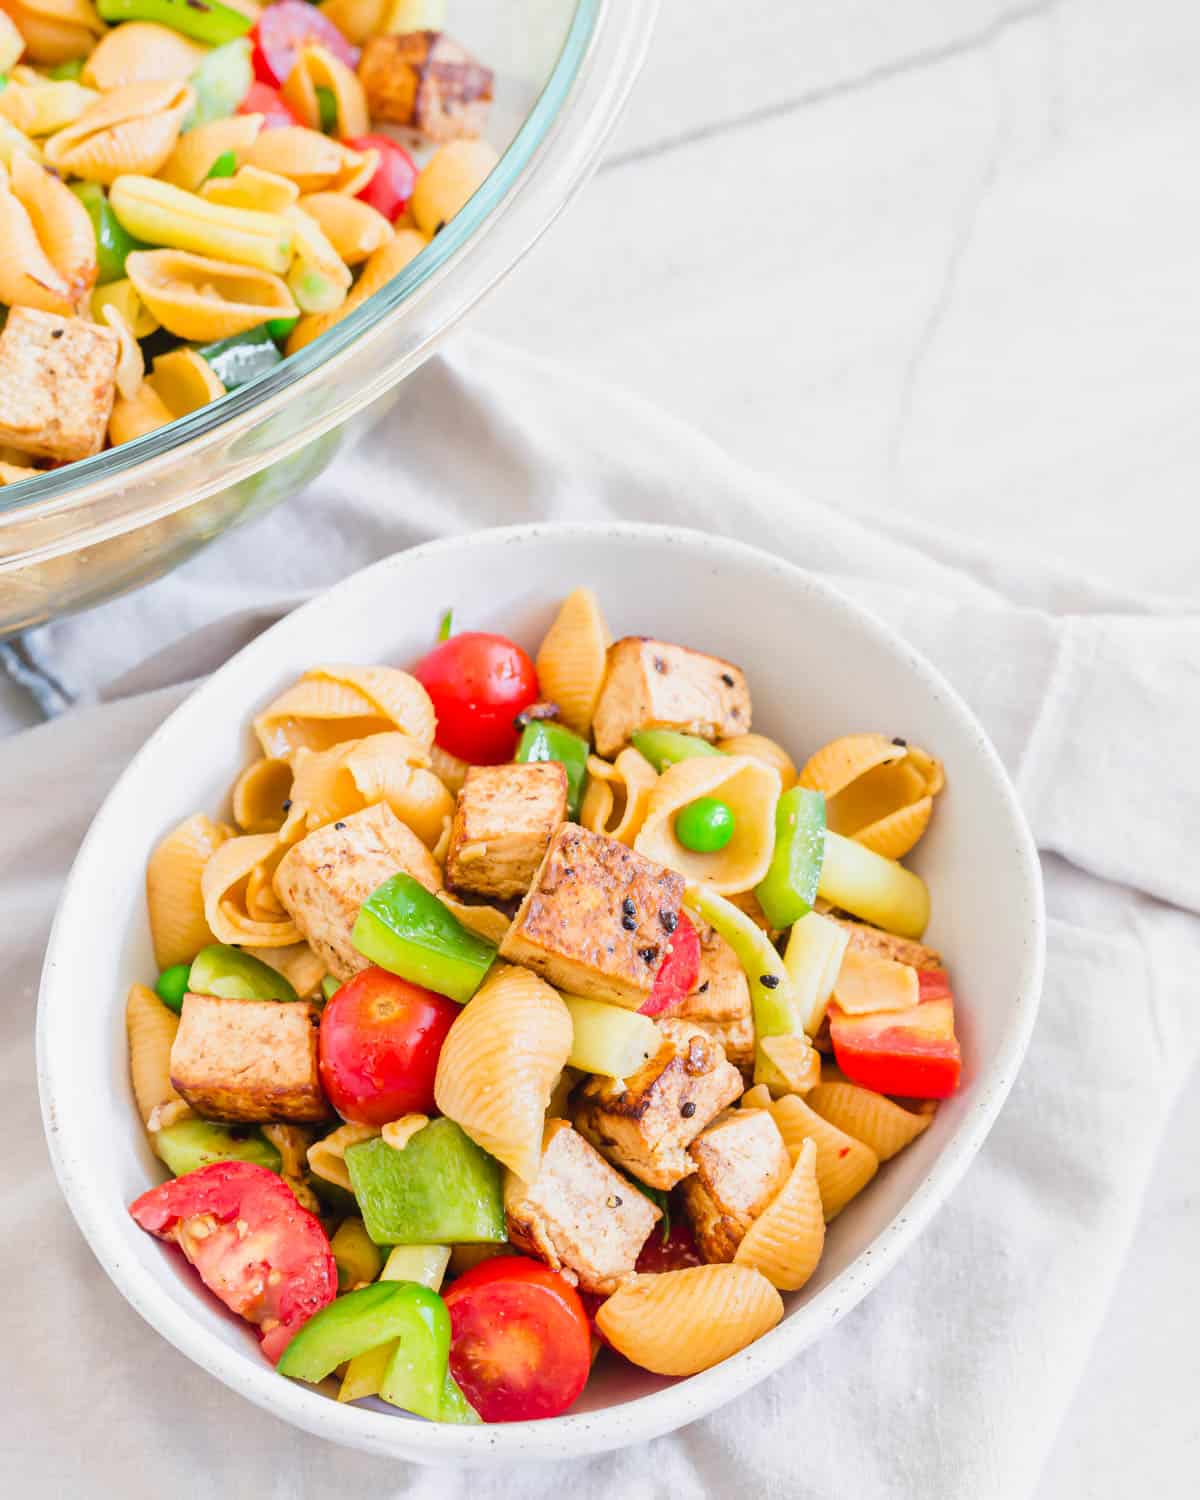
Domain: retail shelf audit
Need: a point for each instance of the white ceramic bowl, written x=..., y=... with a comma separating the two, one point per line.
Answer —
x=818, y=667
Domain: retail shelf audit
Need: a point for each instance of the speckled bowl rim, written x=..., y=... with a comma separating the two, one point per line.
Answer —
x=663, y=1411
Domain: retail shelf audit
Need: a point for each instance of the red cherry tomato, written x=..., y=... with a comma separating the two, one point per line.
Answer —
x=391, y=184
x=264, y=1256
x=478, y=683
x=520, y=1345
x=285, y=28
x=379, y=1046
x=264, y=100
x=913, y=1052
x=678, y=972
x=678, y=1251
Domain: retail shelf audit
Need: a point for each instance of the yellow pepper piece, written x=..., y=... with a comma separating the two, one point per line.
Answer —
x=185, y=381
x=251, y=187
x=164, y=215
x=122, y=295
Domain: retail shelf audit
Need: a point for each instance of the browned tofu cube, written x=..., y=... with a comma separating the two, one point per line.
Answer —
x=879, y=944
x=578, y=1214
x=57, y=384
x=503, y=823
x=654, y=685
x=325, y=879
x=426, y=81
x=248, y=1059
x=720, y=1000
x=646, y=1123
x=741, y=1163
x=598, y=918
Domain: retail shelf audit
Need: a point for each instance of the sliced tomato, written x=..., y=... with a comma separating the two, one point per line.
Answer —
x=521, y=1345
x=270, y=103
x=479, y=683
x=933, y=984
x=285, y=28
x=264, y=1256
x=675, y=1253
x=678, y=972
x=911, y=1052
x=391, y=184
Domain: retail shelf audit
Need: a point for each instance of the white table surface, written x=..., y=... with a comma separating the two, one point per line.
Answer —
x=939, y=258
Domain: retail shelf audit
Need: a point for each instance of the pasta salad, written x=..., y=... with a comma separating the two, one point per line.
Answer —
x=191, y=190
x=523, y=1012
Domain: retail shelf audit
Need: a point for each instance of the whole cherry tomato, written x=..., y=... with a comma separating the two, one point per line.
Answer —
x=391, y=184
x=285, y=28
x=264, y=100
x=379, y=1046
x=678, y=972
x=520, y=1344
x=478, y=683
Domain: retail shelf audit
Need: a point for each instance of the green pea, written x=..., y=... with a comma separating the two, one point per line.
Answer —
x=172, y=985
x=704, y=826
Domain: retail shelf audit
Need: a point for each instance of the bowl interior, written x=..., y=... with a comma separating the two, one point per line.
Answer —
x=817, y=668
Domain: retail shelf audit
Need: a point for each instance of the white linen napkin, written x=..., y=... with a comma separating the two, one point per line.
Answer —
x=953, y=1378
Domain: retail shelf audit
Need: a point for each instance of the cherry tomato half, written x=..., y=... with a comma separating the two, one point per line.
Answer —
x=678, y=972
x=478, y=683
x=264, y=1256
x=270, y=103
x=379, y=1046
x=678, y=1251
x=521, y=1344
x=391, y=184
x=285, y=28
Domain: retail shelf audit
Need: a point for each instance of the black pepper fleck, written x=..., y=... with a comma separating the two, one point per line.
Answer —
x=901, y=742
x=726, y=679
x=629, y=923
x=614, y=1200
x=687, y=1110
x=659, y=664
x=769, y=981
x=669, y=920
x=287, y=804
x=629, y=906
x=648, y=955
x=441, y=225
x=339, y=825
x=703, y=990
x=57, y=333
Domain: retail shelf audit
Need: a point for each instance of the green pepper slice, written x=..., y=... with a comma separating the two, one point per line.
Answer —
x=788, y=889
x=224, y=166
x=172, y=985
x=326, y=109
x=330, y=986
x=113, y=241
x=190, y=1144
x=364, y=1319
x=242, y=357
x=543, y=740
x=441, y=1189
x=279, y=328
x=208, y=21
x=221, y=82
x=415, y=1379
x=406, y=930
x=66, y=72
x=455, y=1406
x=664, y=747
x=231, y=974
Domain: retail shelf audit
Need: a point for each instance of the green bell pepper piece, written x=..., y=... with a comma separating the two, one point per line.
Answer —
x=406, y=930
x=203, y=20
x=66, y=72
x=3, y=82
x=441, y=1189
x=326, y=109
x=357, y=1256
x=663, y=747
x=231, y=974
x=455, y=1406
x=446, y=626
x=190, y=1144
x=279, y=328
x=172, y=985
x=788, y=889
x=221, y=82
x=330, y=987
x=415, y=1379
x=362, y=1320
x=543, y=740
x=113, y=241
x=224, y=166
x=241, y=357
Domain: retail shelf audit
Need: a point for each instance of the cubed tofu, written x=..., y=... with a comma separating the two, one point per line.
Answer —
x=741, y=1163
x=654, y=685
x=503, y=824
x=425, y=80
x=248, y=1060
x=58, y=379
x=720, y=999
x=324, y=880
x=645, y=1123
x=598, y=918
x=880, y=944
x=578, y=1214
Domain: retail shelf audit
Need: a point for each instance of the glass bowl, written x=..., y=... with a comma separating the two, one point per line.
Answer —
x=96, y=528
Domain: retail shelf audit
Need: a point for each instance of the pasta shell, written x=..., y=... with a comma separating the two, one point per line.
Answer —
x=378, y=271
x=499, y=1064
x=844, y=1166
x=572, y=657
x=770, y=752
x=197, y=298
x=14, y=143
x=357, y=19
x=41, y=106
x=686, y=1321
x=786, y=1240
x=451, y=177
x=134, y=416
x=259, y=795
x=174, y=897
x=28, y=278
x=240, y=905
x=195, y=151
x=185, y=380
x=251, y=187
x=617, y=798
x=316, y=67
x=449, y=770
x=150, y=1029
x=55, y=31
x=877, y=791
x=298, y=964
x=353, y=228
x=327, y=1158
x=130, y=130
x=748, y=788
x=141, y=52
x=61, y=223
x=487, y=921
x=398, y=1133
x=332, y=704
x=389, y=768
x=311, y=160
x=877, y=1121
x=12, y=43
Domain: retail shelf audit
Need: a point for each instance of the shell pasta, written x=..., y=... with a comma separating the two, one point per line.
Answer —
x=513, y=1023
